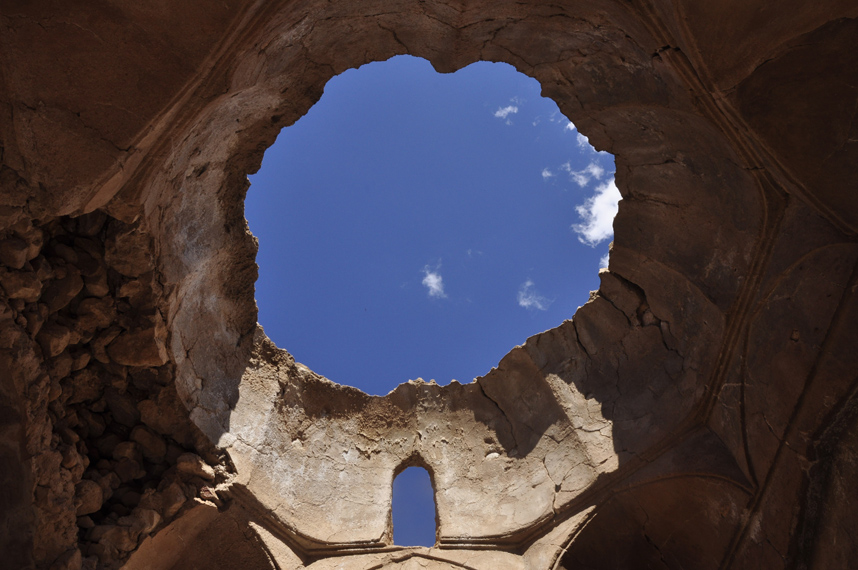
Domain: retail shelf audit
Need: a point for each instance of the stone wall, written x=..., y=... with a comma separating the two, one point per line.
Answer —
x=112, y=450
x=699, y=411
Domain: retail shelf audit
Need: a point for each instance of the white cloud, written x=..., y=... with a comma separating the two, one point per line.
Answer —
x=570, y=126
x=546, y=174
x=598, y=214
x=529, y=298
x=434, y=282
x=504, y=112
x=583, y=177
x=579, y=178
x=595, y=170
x=603, y=262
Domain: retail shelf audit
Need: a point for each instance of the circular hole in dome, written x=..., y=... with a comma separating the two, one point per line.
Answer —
x=417, y=224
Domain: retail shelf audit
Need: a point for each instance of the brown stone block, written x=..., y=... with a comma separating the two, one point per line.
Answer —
x=53, y=338
x=192, y=465
x=59, y=293
x=143, y=347
x=14, y=252
x=21, y=285
x=88, y=497
x=122, y=406
x=152, y=445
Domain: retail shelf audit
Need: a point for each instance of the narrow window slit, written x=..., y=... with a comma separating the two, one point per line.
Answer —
x=414, y=522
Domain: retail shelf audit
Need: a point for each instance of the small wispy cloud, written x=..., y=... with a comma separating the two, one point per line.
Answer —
x=583, y=177
x=597, y=213
x=595, y=170
x=603, y=261
x=434, y=282
x=546, y=174
x=580, y=178
x=503, y=113
x=529, y=298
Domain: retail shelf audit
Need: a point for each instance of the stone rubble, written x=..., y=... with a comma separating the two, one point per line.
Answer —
x=111, y=465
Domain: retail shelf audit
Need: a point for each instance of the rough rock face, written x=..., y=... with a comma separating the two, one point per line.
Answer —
x=699, y=411
x=86, y=338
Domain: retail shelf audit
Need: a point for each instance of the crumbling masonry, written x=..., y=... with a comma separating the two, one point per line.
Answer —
x=700, y=411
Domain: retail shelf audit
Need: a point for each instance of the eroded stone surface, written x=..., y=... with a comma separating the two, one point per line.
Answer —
x=698, y=412
x=485, y=455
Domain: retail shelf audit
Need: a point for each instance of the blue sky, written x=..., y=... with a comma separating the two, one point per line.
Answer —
x=417, y=224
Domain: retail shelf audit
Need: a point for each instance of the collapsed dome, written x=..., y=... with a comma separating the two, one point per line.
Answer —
x=711, y=376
